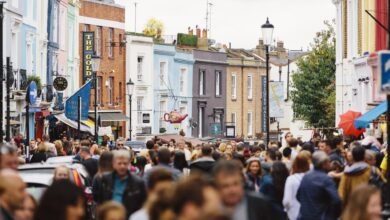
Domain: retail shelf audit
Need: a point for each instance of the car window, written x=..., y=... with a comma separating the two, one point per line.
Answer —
x=43, y=171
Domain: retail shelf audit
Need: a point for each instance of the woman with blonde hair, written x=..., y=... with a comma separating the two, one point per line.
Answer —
x=61, y=172
x=222, y=147
x=111, y=210
x=40, y=153
x=364, y=203
x=59, y=147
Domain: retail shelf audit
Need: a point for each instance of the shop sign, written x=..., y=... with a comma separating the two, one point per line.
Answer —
x=264, y=103
x=146, y=118
x=88, y=49
x=174, y=117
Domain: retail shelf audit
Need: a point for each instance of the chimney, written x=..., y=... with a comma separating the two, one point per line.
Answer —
x=190, y=31
x=204, y=33
x=197, y=31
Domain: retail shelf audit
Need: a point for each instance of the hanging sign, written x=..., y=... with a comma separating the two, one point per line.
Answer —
x=88, y=49
x=32, y=93
x=72, y=103
x=174, y=117
x=264, y=103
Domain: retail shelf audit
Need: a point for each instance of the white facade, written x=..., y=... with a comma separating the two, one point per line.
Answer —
x=140, y=47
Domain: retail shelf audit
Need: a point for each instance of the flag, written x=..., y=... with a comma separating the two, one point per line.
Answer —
x=72, y=103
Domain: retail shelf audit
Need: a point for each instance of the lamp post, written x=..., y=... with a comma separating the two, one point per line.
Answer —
x=95, y=68
x=130, y=89
x=267, y=30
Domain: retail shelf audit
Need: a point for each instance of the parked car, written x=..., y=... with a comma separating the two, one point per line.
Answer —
x=38, y=176
x=136, y=146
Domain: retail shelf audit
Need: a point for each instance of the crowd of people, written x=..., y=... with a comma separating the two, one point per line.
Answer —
x=321, y=179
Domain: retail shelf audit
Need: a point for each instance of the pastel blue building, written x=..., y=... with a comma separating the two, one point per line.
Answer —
x=28, y=44
x=172, y=87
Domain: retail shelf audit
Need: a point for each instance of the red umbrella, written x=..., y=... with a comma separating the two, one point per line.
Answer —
x=346, y=123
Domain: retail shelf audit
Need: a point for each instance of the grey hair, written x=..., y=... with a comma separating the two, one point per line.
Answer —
x=369, y=155
x=355, y=144
x=319, y=157
x=121, y=154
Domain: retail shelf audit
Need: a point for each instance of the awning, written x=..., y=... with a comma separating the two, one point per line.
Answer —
x=73, y=124
x=365, y=120
x=109, y=116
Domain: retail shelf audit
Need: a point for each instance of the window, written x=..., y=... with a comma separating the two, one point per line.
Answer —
x=98, y=40
x=29, y=58
x=163, y=67
x=200, y=123
x=249, y=86
x=218, y=83
x=110, y=37
x=250, y=132
x=183, y=75
x=120, y=93
x=183, y=109
x=87, y=27
x=110, y=90
x=202, y=82
x=217, y=118
x=61, y=28
x=234, y=86
x=140, y=105
x=55, y=23
x=99, y=90
x=120, y=43
x=234, y=119
x=140, y=63
x=163, y=109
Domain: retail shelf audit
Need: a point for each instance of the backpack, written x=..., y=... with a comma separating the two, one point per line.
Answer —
x=375, y=179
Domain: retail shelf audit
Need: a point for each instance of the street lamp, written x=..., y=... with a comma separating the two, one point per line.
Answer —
x=130, y=90
x=95, y=68
x=267, y=30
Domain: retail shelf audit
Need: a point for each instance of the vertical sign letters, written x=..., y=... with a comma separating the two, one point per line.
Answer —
x=88, y=49
x=264, y=103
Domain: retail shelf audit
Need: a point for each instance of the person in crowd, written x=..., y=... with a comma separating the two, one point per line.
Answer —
x=357, y=174
x=271, y=155
x=61, y=201
x=68, y=147
x=105, y=165
x=222, y=148
x=337, y=152
x=76, y=147
x=40, y=154
x=253, y=174
x=149, y=145
x=90, y=164
x=300, y=166
x=94, y=151
x=325, y=146
x=364, y=204
x=32, y=145
x=9, y=157
x=256, y=151
x=12, y=193
x=160, y=180
x=272, y=185
x=317, y=192
x=230, y=184
x=111, y=211
x=180, y=162
x=370, y=157
x=51, y=149
x=61, y=173
x=206, y=162
x=28, y=209
x=336, y=171
x=59, y=148
x=192, y=196
x=293, y=144
x=181, y=146
x=229, y=149
x=120, y=145
x=140, y=163
x=121, y=185
x=164, y=161
x=238, y=154
x=286, y=159
x=313, y=143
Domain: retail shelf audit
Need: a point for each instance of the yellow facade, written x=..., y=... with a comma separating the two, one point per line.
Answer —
x=367, y=26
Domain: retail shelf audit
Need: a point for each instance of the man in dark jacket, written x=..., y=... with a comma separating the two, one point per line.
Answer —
x=205, y=163
x=120, y=185
x=318, y=193
x=237, y=203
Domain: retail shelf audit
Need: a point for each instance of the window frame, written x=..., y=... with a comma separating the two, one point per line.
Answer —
x=234, y=86
x=98, y=39
x=218, y=83
x=140, y=67
x=249, y=125
x=250, y=87
x=140, y=103
x=202, y=82
x=110, y=40
x=111, y=90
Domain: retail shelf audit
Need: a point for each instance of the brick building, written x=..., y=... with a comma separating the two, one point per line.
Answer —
x=107, y=20
x=243, y=92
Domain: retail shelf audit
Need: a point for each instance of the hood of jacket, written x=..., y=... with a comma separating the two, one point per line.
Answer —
x=356, y=168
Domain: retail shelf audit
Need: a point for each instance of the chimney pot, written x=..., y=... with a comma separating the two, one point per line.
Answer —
x=197, y=31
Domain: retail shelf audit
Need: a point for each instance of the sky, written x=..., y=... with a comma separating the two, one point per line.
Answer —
x=236, y=21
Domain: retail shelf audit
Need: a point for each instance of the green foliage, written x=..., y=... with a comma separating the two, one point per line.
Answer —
x=37, y=80
x=163, y=130
x=186, y=40
x=313, y=93
x=154, y=28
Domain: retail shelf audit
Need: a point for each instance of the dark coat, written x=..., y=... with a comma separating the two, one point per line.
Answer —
x=204, y=165
x=259, y=208
x=133, y=197
x=318, y=197
x=38, y=157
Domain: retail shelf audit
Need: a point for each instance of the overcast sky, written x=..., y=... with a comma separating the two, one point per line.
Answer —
x=236, y=21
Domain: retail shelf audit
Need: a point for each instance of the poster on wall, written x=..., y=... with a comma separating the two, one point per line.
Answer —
x=88, y=49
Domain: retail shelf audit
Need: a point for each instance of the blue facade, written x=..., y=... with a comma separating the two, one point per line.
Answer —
x=53, y=36
x=173, y=90
x=28, y=45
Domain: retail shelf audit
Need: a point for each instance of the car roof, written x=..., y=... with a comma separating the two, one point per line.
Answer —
x=61, y=159
x=37, y=178
x=135, y=144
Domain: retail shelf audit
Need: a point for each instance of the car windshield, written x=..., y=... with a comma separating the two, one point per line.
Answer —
x=36, y=190
x=42, y=171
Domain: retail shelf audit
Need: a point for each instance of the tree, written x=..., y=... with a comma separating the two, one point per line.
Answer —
x=313, y=93
x=154, y=28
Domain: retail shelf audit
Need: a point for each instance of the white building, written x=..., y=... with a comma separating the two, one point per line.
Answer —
x=139, y=68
